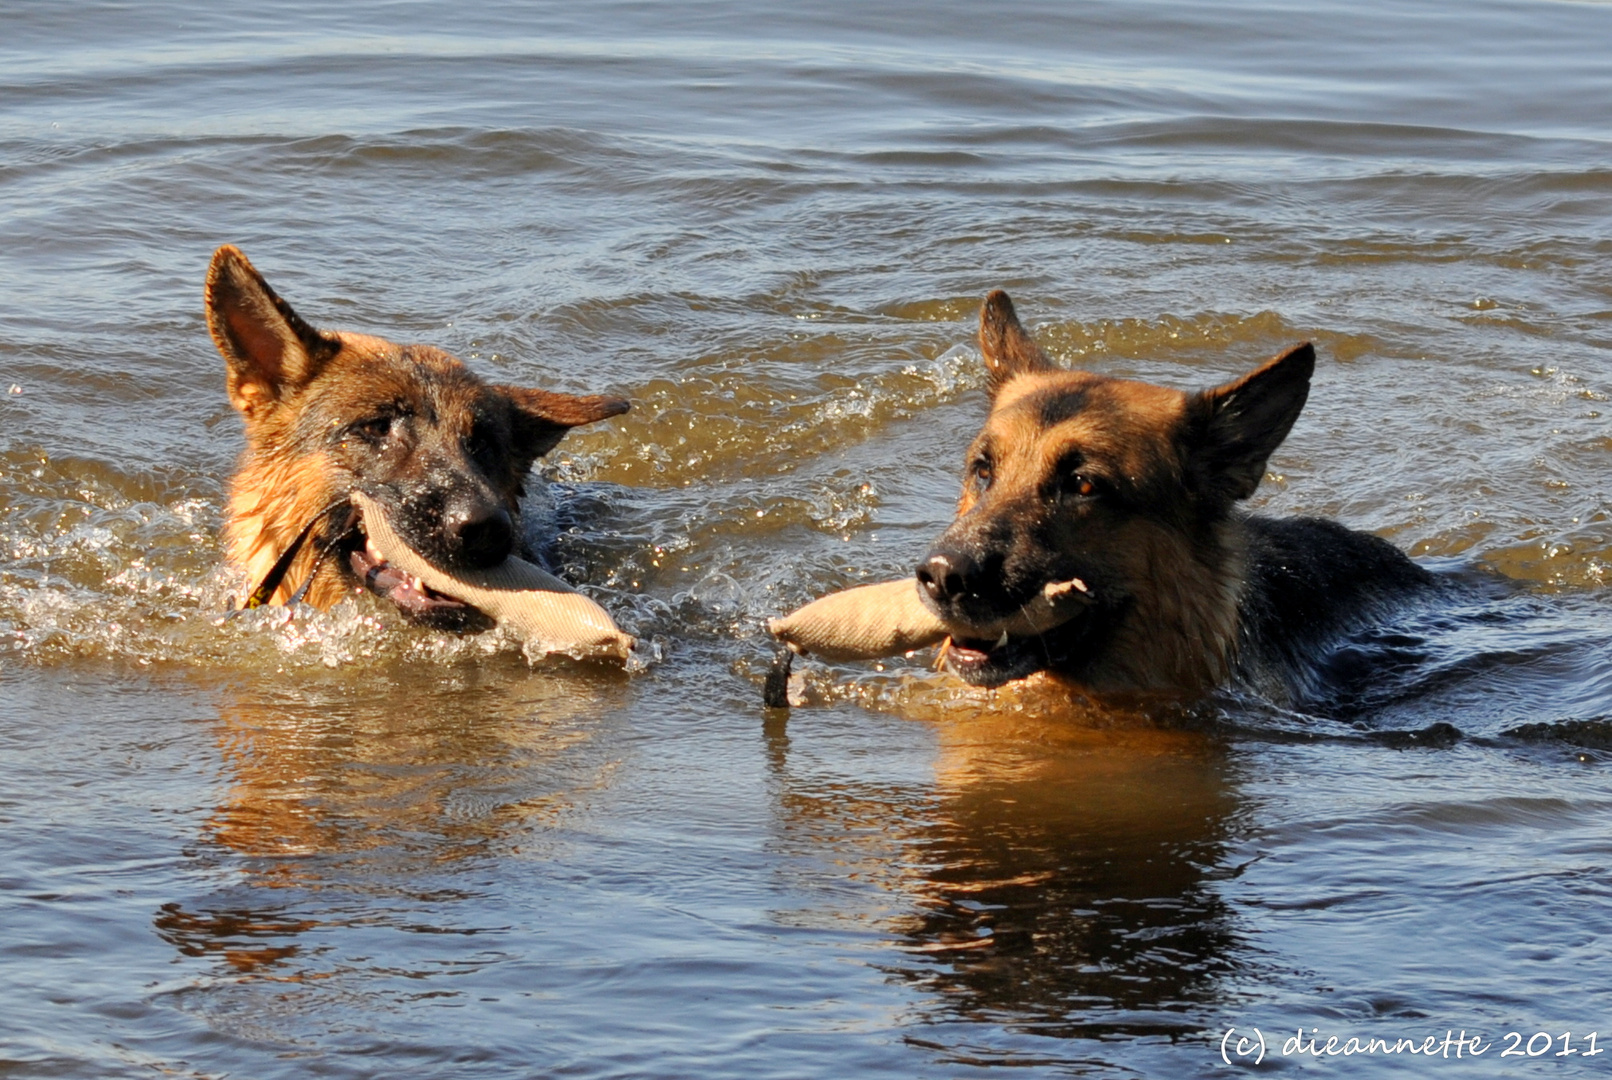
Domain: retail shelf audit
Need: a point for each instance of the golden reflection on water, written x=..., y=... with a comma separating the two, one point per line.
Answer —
x=1059, y=867
x=374, y=791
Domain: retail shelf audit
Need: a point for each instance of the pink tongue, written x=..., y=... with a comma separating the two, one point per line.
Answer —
x=396, y=586
x=971, y=650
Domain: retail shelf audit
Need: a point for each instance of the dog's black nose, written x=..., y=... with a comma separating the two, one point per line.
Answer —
x=478, y=536
x=945, y=575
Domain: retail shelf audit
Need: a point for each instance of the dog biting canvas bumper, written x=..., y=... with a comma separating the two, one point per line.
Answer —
x=863, y=623
x=525, y=598
x=887, y=619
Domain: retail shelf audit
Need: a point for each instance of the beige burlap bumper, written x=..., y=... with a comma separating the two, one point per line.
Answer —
x=863, y=623
x=547, y=612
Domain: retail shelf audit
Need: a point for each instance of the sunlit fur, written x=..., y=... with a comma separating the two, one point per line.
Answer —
x=287, y=474
x=1132, y=489
x=1181, y=576
x=270, y=500
x=305, y=397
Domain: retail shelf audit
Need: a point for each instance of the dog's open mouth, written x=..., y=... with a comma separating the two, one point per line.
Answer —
x=548, y=613
x=992, y=663
x=414, y=598
x=1044, y=631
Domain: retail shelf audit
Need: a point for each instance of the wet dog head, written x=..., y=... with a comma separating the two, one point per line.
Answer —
x=1092, y=535
x=330, y=412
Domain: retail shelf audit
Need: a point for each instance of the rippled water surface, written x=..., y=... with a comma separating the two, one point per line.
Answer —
x=327, y=845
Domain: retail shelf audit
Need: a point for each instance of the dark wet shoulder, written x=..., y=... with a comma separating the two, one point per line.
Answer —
x=1310, y=581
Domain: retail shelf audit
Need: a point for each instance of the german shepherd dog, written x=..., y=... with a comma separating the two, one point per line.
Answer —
x=328, y=413
x=1098, y=536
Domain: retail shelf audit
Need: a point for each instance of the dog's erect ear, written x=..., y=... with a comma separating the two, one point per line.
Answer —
x=1234, y=429
x=542, y=417
x=1008, y=347
x=268, y=349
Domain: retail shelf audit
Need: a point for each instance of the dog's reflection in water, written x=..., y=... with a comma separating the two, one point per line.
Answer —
x=1057, y=872
x=347, y=805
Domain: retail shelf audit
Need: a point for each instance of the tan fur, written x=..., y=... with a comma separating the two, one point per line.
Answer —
x=1182, y=632
x=318, y=408
x=1115, y=497
x=271, y=498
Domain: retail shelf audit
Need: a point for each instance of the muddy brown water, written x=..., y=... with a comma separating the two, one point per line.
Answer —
x=326, y=845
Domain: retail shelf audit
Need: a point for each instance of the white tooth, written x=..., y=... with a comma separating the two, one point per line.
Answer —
x=1001, y=641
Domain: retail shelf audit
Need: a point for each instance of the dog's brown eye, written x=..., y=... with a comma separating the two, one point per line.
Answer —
x=980, y=474
x=373, y=430
x=1079, y=485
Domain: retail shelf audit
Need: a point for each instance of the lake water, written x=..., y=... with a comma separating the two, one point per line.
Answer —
x=328, y=846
